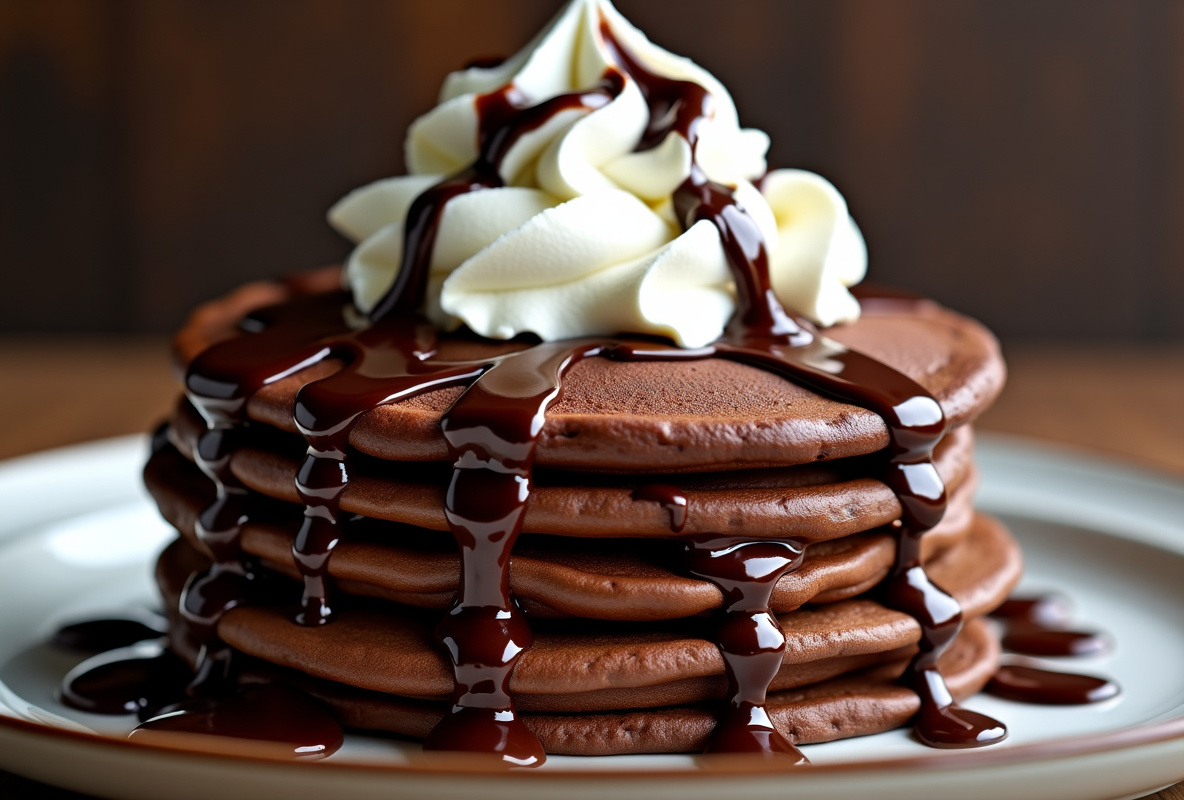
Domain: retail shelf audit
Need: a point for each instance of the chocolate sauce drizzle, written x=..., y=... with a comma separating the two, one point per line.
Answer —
x=383, y=364
x=749, y=637
x=671, y=498
x=1029, y=684
x=1039, y=626
x=492, y=432
x=135, y=679
x=276, y=720
x=503, y=118
x=110, y=633
x=219, y=383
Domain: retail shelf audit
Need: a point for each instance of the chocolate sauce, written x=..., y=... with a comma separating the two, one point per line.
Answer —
x=1052, y=610
x=1038, y=640
x=1032, y=685
x=384, y=364
x=485, y=632
x=762, y=334
x=915, y=425
x=219, y=383
x=503, y=118
x=677, y=107
x=111, y=633
x=1039, y=626
x=749, y=636
x=492, y=432
x=136, y=679
x=279, y=721
x=671, y=498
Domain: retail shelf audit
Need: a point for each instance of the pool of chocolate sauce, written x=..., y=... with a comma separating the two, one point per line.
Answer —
x=1039, y=626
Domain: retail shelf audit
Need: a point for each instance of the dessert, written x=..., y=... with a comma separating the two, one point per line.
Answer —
x=557, y=472
x=623, y=658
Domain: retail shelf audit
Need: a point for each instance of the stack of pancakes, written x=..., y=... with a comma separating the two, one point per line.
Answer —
x=623, y=659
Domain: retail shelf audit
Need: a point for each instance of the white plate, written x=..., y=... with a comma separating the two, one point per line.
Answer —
x=77, y=536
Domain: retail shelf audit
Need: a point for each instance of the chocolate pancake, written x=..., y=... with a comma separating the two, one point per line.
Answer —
x=667, y=416
x=579, y=668
x=867, y=701
x=817, y=501
x=553, y=576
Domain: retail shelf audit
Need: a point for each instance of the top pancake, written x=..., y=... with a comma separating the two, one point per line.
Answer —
x=614, y=416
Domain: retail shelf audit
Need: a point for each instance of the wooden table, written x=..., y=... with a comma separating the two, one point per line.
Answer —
x=1119, y=401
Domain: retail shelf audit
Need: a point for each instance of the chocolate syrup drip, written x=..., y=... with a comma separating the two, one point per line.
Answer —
x=384, y=364
x=915, y=424
x=219, y=383
x=503, y=118
x=1037, y=640
x=678, y=106
x=137, y=679
x=1039, y=626
x=671, y=498
x=1052, y=610
x=749, y=637
x=97, y=635
x=150, y=681
x=675, y=106
x=492, y=433
x=759, y=313
x=940, y=722
x=280, y=722
x=1032, y=685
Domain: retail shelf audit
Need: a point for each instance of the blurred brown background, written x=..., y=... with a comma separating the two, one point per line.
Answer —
x=1022, y=160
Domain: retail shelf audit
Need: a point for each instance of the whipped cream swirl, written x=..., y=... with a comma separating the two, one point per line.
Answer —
x=582, y=237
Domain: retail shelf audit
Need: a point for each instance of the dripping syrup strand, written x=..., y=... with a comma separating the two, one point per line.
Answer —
x=503, y=119
x=484, y=633
x=749, y=637
x=219, y=383
x=671, y=498
x=270, y=720
x=326, y=410
x=99, y=635
x=492, y=433
x=383, y=364
x=678, y=107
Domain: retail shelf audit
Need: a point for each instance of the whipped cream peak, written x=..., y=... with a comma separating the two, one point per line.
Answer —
x=555, y=175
